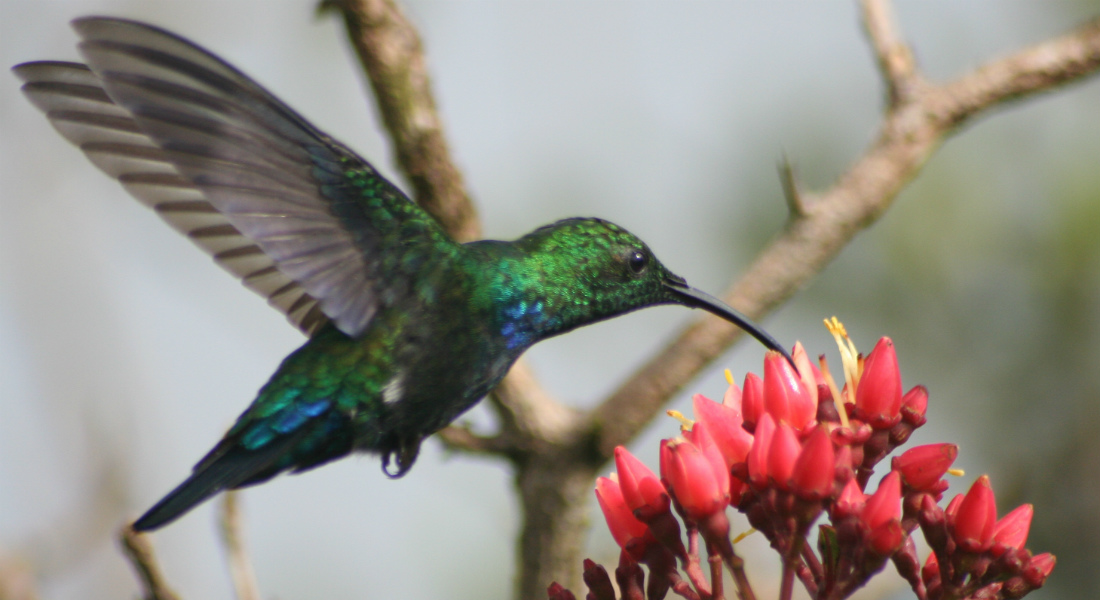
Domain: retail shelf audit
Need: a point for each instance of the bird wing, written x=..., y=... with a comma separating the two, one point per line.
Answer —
x=294, y=214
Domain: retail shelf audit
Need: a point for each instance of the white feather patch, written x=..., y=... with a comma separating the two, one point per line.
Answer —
x=394, y=389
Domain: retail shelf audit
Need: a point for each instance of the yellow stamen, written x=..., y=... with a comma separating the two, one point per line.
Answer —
x=729, y=377
x=849, y=356
x=956, y=472
x=837, y=400
x=685, y=423
x=744, y=535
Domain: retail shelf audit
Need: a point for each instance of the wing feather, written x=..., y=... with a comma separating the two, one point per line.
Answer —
x=299, y=218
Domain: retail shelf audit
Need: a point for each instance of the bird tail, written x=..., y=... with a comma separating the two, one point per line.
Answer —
x=310, y=442
x=227, y=466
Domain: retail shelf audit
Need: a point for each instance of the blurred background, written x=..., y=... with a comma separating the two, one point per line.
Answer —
x=124, y=353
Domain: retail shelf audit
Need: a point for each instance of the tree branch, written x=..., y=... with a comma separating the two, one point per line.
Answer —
x=1040, y=68
x=462, y=438
x=908, y=136
x=240, y=566
x=392, y=56
x=139, y=551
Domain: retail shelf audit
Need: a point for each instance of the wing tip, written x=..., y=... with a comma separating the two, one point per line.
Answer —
x=32, y=70
x=89, y=25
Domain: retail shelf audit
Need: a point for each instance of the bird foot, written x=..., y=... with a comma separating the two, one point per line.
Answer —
x=406, y=452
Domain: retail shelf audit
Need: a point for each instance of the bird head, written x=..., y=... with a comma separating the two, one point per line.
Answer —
x=590, y=269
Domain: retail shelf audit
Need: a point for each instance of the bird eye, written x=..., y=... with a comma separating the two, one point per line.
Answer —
x=637, y=262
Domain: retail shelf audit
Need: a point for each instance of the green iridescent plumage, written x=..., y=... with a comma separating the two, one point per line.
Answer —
x=407, y=328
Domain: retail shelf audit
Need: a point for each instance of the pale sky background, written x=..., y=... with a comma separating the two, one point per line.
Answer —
x=124, y=350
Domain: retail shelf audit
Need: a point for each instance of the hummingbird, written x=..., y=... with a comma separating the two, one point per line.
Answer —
x=407, y=328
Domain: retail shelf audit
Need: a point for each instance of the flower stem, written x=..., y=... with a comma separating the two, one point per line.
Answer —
x=715, y=561
x=786, y=587
x=692, y=568
x=682, y=588
x=812, y=563
x=737, y=568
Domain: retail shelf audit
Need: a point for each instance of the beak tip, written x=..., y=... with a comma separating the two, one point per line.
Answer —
x=695, y=298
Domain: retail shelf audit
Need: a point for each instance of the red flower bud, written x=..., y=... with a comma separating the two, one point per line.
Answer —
x=598, y=582
x=752, y=399
x=815, y=469
x=976, y=516
x=664, y=457
x=640, y=486
x=953, y=506
x=1011, y=531
x=887, y=538
x=786, y=396
x=914, y=405
x=700, y=436
x=882, y=516
x=878, y=395
x=850, y=502
x=933, y=522
x=922, y=467
x=620, y=518
x=724, y=426
x=700, y=490
x=782, y=455
x=757, y=458
x=807, y=371
x=931, y=570
x=557, y=592
x=885, y=503
x=1039, y=568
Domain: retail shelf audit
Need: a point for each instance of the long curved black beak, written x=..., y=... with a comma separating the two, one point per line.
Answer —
x=694, y=298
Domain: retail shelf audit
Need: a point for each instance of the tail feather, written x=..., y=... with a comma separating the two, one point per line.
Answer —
x=228, y=466
x=231, y=464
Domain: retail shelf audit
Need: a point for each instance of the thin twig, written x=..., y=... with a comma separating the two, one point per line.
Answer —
x=796, y=206
x=240, y=566
x=139, y=551
x=895, y=59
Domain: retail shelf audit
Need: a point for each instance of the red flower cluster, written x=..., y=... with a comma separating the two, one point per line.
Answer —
x=785, y=450
x=974, y=546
